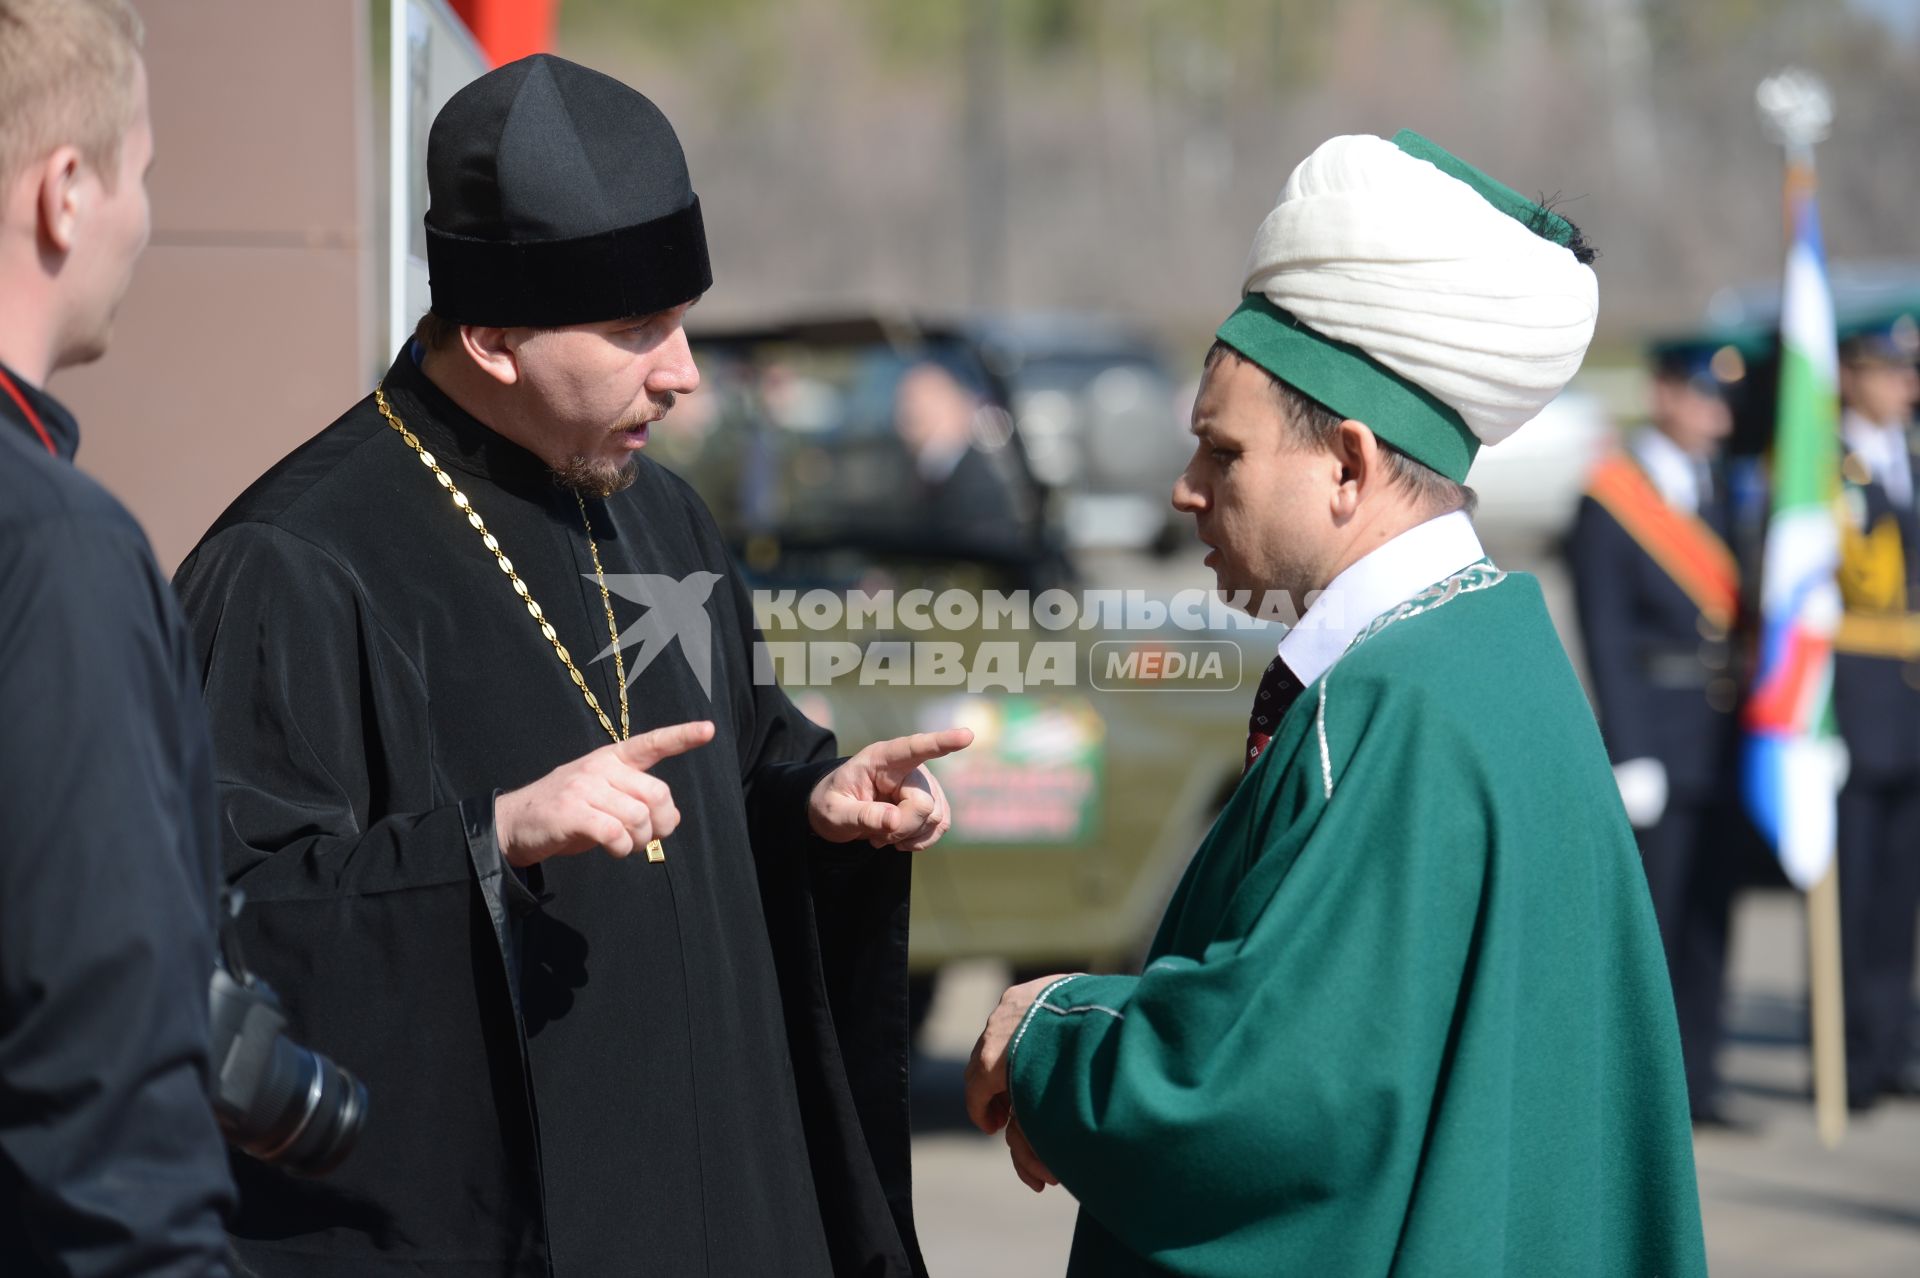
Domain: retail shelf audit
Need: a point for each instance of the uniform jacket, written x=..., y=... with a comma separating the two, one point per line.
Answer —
x=1657, y=595
x=1876, y=677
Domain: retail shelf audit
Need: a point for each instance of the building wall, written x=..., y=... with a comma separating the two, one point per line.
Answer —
x=250, y=320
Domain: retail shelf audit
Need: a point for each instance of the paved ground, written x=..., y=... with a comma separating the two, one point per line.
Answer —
x=1777, y=1204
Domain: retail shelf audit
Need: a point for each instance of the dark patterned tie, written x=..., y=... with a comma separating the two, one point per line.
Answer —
x=1278, y=690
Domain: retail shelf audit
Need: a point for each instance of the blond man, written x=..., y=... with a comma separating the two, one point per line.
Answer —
x=110, y=1159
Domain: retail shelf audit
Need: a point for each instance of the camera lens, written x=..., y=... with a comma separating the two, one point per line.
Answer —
x=307, y=1113
x=279, y=1101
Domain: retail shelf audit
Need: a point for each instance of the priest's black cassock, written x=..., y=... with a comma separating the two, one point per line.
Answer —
x=617, y=1067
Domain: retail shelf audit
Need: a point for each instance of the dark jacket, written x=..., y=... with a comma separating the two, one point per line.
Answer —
x=110, y=1160
x=1876, y=669
x=1661, y=670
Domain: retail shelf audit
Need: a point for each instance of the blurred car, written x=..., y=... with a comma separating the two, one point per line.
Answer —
x=1082, y=799
x=1530, y=485
x=1861, y=289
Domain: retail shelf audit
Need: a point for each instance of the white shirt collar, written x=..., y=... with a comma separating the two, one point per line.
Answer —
x=1672, y=471
x=1884, y=449
x=936, y=465
x=1385, y=576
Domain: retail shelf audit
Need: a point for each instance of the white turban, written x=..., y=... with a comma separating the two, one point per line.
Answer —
x=1439, y=276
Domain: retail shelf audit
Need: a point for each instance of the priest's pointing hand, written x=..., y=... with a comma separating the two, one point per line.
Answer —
x=606, y=799
x=885, y=796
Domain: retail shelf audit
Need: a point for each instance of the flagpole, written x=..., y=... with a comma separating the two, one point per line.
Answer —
x=1826, y=999
x=1798, y=112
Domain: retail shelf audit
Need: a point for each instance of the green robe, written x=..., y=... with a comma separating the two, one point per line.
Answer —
x=1407, y=1012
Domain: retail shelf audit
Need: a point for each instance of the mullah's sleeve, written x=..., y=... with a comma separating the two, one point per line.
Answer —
x=1602, y=558
x=1290, y=1061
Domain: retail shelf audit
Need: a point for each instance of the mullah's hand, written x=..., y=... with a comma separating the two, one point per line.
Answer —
x=988, y=1103
x=605, y=799
x=885, y=796
x=1026, y=1164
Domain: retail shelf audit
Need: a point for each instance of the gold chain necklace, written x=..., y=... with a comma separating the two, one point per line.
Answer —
x=654, y=850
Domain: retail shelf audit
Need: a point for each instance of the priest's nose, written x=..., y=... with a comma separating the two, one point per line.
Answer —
x=674, y=372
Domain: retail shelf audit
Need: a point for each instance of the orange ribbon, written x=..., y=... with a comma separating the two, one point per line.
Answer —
x=1686, y=549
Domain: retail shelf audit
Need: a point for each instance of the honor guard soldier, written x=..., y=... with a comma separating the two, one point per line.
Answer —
x=1876, y=697
x=1658, y=591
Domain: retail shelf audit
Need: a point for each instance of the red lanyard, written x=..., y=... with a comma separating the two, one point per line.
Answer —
x=33, y=418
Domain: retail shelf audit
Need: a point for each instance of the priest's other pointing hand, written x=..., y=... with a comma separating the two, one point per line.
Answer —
x=884, y=795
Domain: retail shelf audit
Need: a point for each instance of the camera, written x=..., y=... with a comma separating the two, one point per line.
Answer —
x=276, y=1100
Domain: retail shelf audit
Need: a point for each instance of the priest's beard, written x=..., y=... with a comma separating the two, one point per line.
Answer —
x=603, y=476
x=595, y=477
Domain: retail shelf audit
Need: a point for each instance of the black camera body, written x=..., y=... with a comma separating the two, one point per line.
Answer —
x=278, y=1101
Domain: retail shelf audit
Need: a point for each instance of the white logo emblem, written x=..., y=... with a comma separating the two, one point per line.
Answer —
x=676, y=609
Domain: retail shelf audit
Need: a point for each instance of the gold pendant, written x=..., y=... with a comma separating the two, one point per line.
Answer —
x=655, y=853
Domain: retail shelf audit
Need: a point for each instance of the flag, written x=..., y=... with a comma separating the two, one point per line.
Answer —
x=509, y=29
x=1794, y=761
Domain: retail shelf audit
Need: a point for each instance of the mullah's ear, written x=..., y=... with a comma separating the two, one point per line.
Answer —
x=493, y=350
x=1357, y=449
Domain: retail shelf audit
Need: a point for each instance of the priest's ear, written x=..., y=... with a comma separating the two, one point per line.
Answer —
x=495, y=351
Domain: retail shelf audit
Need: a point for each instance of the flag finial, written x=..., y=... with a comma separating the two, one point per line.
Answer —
x=1796, y=108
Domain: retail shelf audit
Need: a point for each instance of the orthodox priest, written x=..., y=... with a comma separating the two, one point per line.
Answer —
x=633, y=1009
x=1407, y=1012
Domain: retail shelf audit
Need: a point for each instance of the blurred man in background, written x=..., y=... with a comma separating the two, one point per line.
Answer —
x=1658, y=591
x=110, y=1160
x=1876, y=698
x=959, y=500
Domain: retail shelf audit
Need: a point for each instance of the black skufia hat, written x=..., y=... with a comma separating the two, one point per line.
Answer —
x=558, y=196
